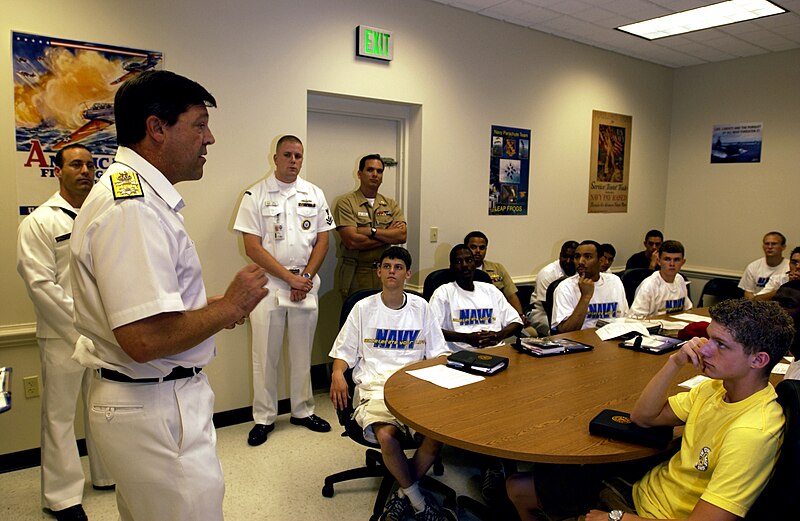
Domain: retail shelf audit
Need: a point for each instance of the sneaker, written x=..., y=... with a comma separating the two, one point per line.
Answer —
x=396, y=509
x=434, y=512
x=493, y=486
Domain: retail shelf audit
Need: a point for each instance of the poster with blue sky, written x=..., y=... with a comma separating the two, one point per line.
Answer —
x=63, y=94
x=509, y=169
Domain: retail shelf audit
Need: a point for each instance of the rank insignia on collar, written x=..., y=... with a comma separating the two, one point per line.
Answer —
x=126, y=185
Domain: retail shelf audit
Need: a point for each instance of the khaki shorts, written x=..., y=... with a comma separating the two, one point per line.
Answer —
x=373, y=411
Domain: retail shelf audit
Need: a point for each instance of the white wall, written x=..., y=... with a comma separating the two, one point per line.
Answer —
x=466, y=72
x=722, y=211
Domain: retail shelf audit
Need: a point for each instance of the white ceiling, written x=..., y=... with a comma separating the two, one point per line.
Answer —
x=593, y=22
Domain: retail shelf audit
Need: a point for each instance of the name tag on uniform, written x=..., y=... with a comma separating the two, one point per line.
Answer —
x=363, y=214
x=270, y=203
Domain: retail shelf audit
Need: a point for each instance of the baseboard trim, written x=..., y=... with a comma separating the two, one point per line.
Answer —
x=25, y=459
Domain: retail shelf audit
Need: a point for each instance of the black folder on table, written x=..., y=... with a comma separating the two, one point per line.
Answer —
x=617, y=425
x=477, y=362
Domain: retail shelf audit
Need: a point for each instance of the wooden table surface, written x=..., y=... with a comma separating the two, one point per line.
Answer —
x=539, y=408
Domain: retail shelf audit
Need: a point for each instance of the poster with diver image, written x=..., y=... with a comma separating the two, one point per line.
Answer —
x=64, y=94
x=737, y=143
x=509, y=167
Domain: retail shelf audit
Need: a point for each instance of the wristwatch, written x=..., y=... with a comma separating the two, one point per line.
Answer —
x=306, y=275
x=615, y=515
x=372, y=232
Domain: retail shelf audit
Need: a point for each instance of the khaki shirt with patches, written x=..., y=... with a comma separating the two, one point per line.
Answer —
x=500, y=277
x=353, y=209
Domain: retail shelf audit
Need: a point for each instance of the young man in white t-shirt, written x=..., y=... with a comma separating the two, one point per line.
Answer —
x=664, y=291
x=760, y=271
x=383, y=333
x=588, y=295
x=779, y=279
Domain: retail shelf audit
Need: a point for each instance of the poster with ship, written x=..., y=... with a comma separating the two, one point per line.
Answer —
x=63, y=94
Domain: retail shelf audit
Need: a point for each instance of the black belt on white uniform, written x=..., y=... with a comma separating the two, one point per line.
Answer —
x=176, y=374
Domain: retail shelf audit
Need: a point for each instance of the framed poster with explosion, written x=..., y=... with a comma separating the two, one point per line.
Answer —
x=64, y=94
x=609, y=164
x=509, y=167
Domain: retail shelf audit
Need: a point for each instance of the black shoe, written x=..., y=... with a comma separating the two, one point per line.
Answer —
x=104, y=487
x=313, y=422
x=258, y=434
x=73, y=513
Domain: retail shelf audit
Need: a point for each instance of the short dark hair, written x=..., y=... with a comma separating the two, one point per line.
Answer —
x=455, y=249
x=59, y=159
x=671, y=247
x=654, y=233
x=288, y=138
x=363, y=162
x=569, y=245
x=779, y=234
x=397, y=252
x=795, y=251
x=607, y=248
x=163, y=94
x=758, y=325
x=476, y=235
x=592, y=243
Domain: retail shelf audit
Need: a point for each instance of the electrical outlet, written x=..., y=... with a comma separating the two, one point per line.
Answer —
x=31, y=385
x=434, y=234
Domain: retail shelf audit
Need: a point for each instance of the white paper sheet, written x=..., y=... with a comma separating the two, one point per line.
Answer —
x=617, y=329
x=780, y=368
x=672, y=324
x=446, y=377
x=694, y=381
x=691, y=317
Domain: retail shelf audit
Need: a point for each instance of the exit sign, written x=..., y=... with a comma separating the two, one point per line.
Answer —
x=374, y=43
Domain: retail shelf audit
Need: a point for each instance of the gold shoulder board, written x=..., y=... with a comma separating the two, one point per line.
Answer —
x=126, y=185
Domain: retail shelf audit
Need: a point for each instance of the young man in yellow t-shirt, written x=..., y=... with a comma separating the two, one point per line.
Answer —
x=733, y=425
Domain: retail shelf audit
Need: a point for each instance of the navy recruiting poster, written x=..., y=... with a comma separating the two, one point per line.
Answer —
x=509, y=168
x=609, y=163
x=64, y=94
x=739, y=143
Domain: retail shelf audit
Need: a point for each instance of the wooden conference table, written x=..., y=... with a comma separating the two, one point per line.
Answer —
x=539, y=408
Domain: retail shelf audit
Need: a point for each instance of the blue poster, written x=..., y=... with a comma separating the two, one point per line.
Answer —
x=738, y=143
x=509, y=168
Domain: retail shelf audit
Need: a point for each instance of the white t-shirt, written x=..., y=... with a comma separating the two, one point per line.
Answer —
x=376, y=341
x=484, y=309
x=608, y=300
x=775, y=282
x=757, y=274
x=656, y=296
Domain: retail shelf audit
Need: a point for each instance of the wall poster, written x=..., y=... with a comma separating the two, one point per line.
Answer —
x=609, y=165
x=737, y=143
x=509, y=167
x=63, y=94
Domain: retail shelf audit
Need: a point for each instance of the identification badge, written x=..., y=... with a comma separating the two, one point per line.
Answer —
x=126, y=185
x=279, y=235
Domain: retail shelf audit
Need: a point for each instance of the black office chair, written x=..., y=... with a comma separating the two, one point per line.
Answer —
x=631, y=279
x=721, y=289
x=525, y=292
x=374, y=466
x=438, y=277
x=549, y=297
x=777, y=500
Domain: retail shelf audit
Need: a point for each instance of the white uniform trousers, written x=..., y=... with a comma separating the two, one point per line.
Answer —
x=63, y=382
x=160, y=444
x=268, y=326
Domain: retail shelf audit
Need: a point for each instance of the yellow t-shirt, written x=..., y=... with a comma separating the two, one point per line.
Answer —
x=727, y=454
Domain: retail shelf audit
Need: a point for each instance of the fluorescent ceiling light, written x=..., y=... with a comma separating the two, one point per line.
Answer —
x=714, y=15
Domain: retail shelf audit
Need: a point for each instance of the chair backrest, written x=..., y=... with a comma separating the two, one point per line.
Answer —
x=438, y=277
x=777, y=500
x=350, y=301
x=549, y=297
x=525, y=292
x=631, y=279
x=722, y=289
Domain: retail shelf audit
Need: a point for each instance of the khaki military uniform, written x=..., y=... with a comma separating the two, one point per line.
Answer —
x=355, y=269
